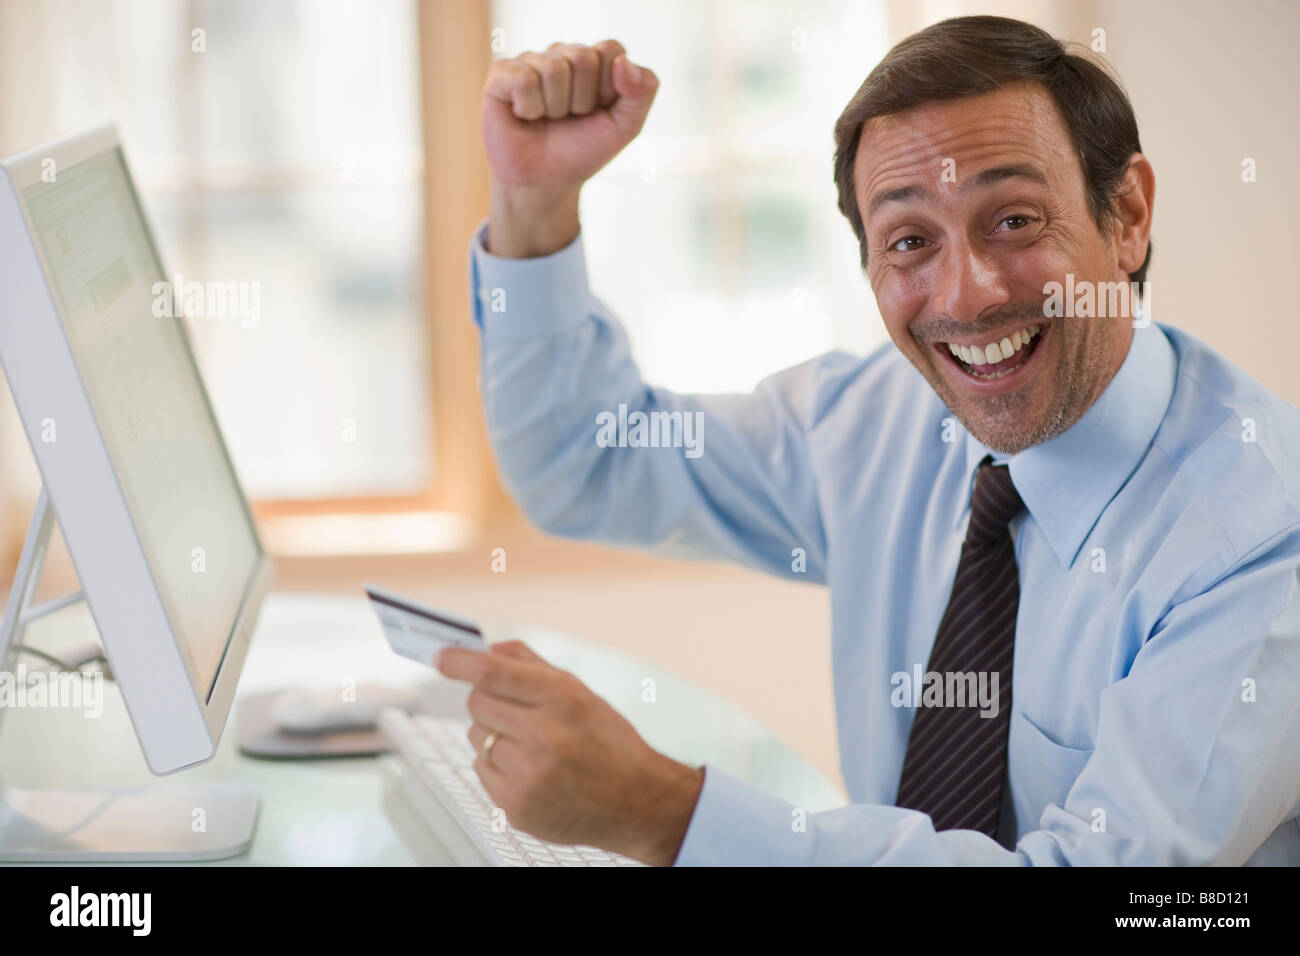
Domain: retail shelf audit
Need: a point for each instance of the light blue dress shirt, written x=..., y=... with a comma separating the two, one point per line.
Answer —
x=1156, y=685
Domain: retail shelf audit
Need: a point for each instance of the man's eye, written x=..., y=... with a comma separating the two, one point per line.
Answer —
x=907, y=244
x=1016, y=222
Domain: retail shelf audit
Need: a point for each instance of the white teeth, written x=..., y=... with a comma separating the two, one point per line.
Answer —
x=995, y=351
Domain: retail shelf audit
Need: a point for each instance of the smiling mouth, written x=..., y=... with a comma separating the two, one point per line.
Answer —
x=997, y=359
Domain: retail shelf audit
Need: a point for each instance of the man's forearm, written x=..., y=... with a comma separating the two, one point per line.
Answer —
x=530, y=221
x=669, y=804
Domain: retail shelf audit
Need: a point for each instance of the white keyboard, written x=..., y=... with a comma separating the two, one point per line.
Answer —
x=437, y=776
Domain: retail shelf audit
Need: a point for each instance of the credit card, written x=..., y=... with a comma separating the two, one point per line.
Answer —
x=419, y=632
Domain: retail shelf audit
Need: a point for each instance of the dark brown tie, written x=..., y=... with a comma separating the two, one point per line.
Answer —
x=957, y=759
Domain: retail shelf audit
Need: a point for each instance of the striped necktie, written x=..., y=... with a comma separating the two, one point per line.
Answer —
x=956, y=759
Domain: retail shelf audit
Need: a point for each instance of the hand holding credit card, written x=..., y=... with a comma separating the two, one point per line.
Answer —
x=420, y=632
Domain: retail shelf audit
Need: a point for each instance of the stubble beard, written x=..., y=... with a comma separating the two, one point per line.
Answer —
x=1007, y=423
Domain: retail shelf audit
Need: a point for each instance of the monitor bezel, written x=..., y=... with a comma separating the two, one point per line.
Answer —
x=179, y=722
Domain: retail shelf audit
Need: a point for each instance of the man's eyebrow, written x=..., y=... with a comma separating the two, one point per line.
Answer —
x=986, y=177
x=902, y=194
x=997, y=174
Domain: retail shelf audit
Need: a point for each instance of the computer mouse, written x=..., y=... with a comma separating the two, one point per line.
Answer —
x=329, y=711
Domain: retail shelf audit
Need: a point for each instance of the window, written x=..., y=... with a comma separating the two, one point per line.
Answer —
x=715, y=235
x=278, y=143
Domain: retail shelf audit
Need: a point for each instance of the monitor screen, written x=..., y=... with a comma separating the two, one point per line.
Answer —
x=149, y=401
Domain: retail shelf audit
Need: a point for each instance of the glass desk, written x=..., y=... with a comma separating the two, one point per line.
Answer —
x=333, y=811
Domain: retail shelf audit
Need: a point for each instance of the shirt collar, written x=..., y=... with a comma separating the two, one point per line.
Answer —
x=1067, y=482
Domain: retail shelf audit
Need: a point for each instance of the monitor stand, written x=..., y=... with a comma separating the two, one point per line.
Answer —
x=100, y=826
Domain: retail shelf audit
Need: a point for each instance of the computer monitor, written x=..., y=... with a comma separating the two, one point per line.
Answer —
x=132, y=459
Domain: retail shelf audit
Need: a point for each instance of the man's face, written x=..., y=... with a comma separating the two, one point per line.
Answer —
x=971, y=206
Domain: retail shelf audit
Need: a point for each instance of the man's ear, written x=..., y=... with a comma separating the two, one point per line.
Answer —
x=1134, y=207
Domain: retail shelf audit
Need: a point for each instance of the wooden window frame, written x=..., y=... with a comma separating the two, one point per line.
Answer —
x=454, y=56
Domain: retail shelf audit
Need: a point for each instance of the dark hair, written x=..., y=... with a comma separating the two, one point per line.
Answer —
x=966, y=56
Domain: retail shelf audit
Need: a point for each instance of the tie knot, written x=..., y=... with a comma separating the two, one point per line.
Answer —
x=993, y=504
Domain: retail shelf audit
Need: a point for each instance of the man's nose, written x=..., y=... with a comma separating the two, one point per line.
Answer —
x=969, y=283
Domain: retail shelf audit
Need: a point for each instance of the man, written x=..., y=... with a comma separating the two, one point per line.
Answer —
x=1062, y=541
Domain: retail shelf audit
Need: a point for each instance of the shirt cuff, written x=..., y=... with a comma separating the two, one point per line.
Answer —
x=737, y=824
x=512, y=298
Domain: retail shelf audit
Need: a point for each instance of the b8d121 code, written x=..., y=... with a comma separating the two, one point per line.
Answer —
x=1221, y=898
